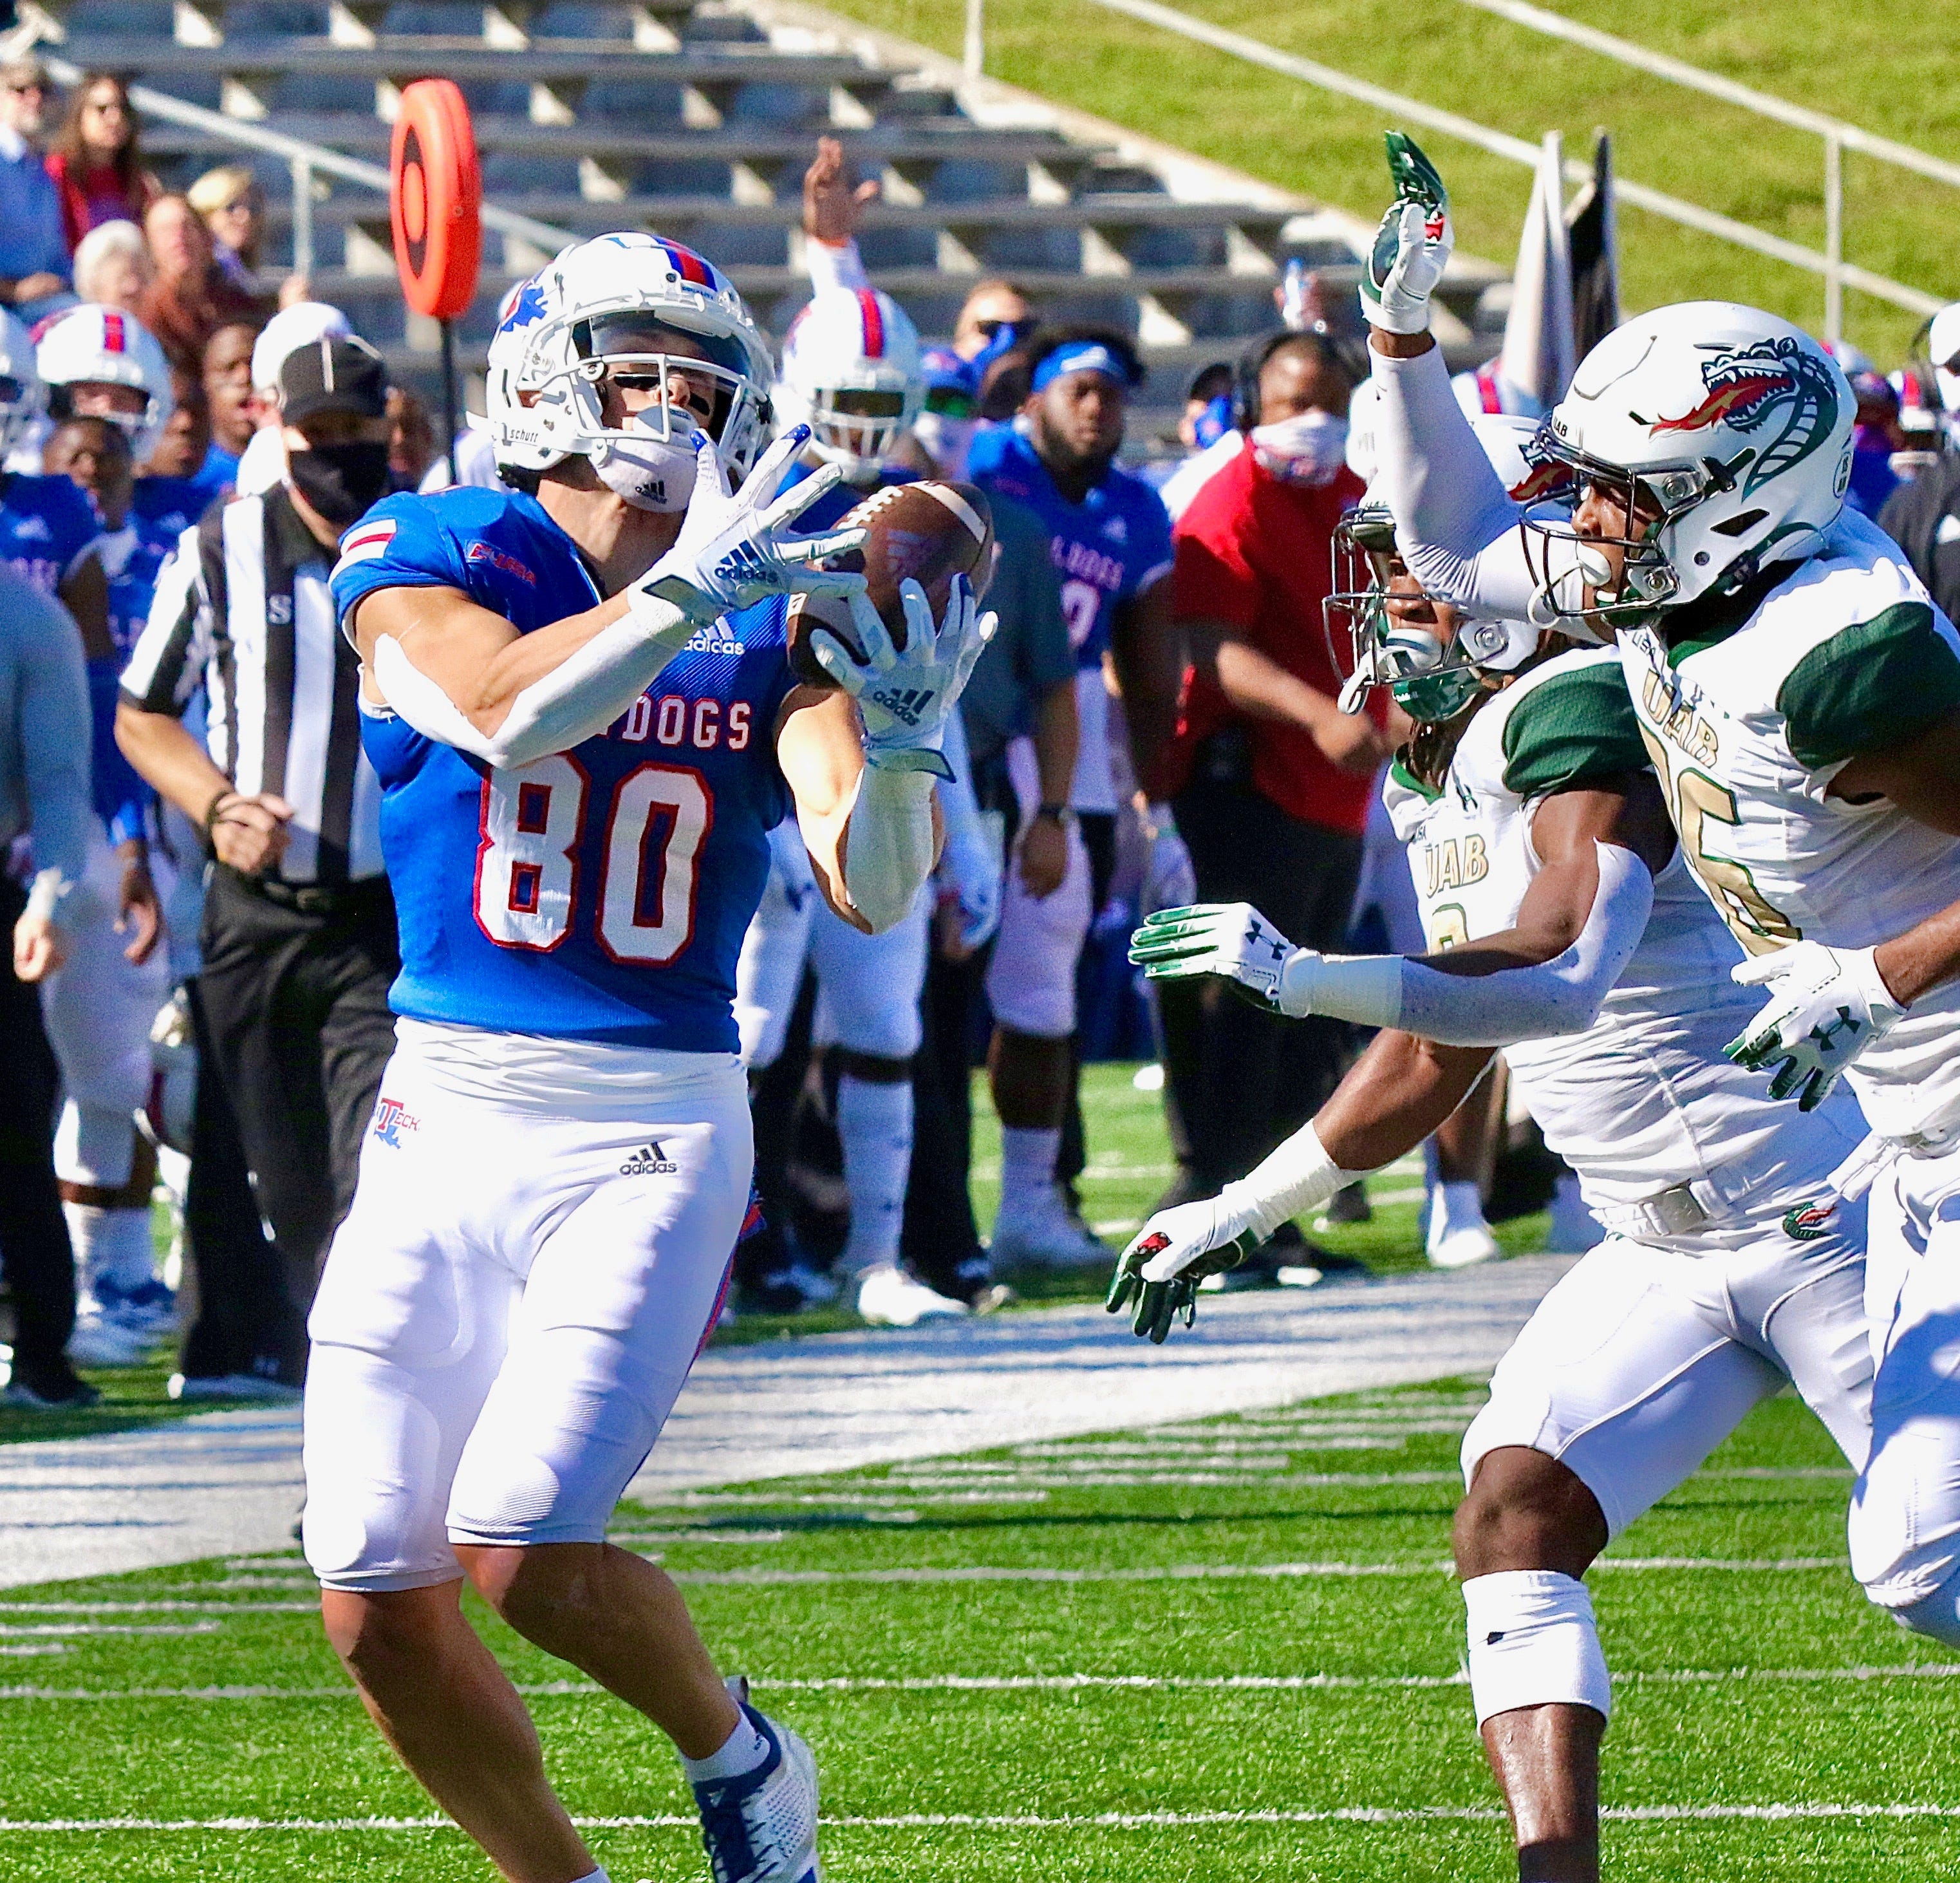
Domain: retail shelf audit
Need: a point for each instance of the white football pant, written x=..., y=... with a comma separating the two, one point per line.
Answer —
x=1031, y=979
x=511, y=1308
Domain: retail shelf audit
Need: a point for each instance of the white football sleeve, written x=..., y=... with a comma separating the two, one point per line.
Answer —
x=889, y=849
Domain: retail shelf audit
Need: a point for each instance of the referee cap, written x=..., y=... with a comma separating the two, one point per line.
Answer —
x=335, y=373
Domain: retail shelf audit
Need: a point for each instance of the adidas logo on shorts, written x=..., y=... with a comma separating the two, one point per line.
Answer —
x=649, y=1160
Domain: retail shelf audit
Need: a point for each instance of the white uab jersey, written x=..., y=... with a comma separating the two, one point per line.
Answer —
x=1748, y=720
x=1644, y=1102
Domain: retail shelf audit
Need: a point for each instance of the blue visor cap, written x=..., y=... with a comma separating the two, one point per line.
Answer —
x=1083, y=356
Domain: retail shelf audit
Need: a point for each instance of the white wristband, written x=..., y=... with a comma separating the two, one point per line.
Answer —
x=1365, y=989
x=1298, y=1176
x=50, y=890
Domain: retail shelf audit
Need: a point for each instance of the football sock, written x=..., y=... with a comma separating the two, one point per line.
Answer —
x=874, y=1122
x=1453, y=1206
x=110, y=1244
x=1533, y=1643
x=745, y=1749
x=1027, y=1168
x=597, y=1876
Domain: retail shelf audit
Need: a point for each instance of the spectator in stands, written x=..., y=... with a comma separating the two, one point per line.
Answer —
x=33, y=251
x=234, y=212
x=191, y=296
x=112, y=267
x=1273, y=780
x=44, y=791
x=96, y=162
x=226, y=378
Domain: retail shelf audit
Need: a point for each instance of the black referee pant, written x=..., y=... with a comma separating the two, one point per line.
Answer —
x=34, y=1252
x=294, y=995
x=1245, y=1080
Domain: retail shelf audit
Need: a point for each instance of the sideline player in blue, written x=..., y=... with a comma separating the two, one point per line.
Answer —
x=580, y=711
x=1110, y=539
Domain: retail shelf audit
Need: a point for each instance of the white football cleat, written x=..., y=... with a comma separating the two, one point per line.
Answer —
x=762, y=1828
x=98, y=1341
x=1042, y=1232
x=1458, y=1237
x=888, y=1297
x=1463, y=1248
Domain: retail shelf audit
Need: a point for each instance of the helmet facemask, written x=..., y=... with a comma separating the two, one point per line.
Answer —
x=856, y=427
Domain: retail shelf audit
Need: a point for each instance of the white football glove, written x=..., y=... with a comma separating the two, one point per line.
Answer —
x=971, y=867
x=1826, y=1006
x=1232, y=939
x=904, y=698
x=1177, y=1248
x=1412, y=246
x=735, y=551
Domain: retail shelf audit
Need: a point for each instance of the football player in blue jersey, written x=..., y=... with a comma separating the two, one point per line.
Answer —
x=101, y=1008
x=1110, y=539
x=577, y=698
x=48, y=528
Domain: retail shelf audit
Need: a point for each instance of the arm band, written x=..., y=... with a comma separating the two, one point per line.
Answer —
x=576, y=701
x=1298, y=1176
x=888, y=843
x=1562, y=995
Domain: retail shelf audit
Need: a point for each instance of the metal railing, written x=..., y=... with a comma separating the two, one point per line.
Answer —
x=306, y=161
x=1838, y=137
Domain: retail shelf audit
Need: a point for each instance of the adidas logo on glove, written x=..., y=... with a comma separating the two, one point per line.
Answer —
x=906, y=705
x=649, y=1160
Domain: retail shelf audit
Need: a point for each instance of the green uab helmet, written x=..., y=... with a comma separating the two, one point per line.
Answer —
x=1370, y=646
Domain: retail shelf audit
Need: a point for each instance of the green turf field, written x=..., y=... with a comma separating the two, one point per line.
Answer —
x=1889, y=66
x=1201, y=1652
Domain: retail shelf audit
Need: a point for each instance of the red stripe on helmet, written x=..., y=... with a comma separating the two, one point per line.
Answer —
x=112, y=331
x=689, y=266
x=874, y=324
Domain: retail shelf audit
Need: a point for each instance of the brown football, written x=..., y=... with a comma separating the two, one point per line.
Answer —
x=930, y=531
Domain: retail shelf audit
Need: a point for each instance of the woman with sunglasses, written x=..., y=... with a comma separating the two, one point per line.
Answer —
x=96, y=162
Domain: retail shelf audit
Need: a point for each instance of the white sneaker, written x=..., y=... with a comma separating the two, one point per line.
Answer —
x=762, y=1828
x=887, y=1297
x=1574, y=1228
x=98, y=1341
x=1045, y=1234
x=1463, y=1248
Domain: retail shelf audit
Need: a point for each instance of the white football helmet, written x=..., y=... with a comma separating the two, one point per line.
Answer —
x=851, y=372
x=23, y=398
x=96, y=345
x=1429, y=681
x=557, y=336
x=1728, y=432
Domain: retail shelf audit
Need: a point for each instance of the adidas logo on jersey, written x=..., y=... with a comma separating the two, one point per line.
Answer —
x=649, y=1160
x=906, y=705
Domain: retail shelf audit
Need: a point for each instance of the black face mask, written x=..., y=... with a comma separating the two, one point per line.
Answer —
x=341, y=482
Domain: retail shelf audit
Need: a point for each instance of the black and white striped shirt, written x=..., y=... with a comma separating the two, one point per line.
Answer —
x=242, y=609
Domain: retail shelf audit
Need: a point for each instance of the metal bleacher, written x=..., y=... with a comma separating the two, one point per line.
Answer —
x=689, y=118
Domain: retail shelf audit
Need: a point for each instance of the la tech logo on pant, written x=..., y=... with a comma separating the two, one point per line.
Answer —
x=391, y=1120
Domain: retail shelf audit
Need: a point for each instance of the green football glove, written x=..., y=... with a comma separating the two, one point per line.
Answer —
x=1161, y=1269
x=1412, y=246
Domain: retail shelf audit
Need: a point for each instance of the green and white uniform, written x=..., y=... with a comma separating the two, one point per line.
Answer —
x=1720, y=1277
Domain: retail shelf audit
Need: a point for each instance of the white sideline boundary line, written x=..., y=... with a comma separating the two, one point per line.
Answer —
x=1042, y=1683
x=974, y=1820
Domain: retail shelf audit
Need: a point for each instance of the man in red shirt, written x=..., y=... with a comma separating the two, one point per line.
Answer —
x=1272, y=780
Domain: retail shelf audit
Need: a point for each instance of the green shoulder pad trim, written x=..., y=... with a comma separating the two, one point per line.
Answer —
x=1570, y=728
x=1401, y=773
x=1872, y=685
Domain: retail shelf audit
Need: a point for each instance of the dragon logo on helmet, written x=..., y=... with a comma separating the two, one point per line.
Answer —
x=1751, y=386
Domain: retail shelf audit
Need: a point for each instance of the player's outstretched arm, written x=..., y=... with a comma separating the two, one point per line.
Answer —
x=861, y=761
x=464, y=675
x=1827, y=1006
x=1578, y=927
x=1393, y=1097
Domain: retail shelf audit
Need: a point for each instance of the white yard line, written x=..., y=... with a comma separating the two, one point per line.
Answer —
x=976, y=1820
x=228, y=1483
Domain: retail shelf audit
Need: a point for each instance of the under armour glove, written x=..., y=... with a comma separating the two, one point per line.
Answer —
x=1826, y=1006
x=1177, y=1248
x=735, y=551
x=1232, y=939
x=904, y=698
x=1412, y=246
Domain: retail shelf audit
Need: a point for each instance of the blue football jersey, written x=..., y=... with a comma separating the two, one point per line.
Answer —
x=840, y=500
x=1111, y=546
x=45, y=525
x=168, y=505
x=130, y=557
x=601, y=893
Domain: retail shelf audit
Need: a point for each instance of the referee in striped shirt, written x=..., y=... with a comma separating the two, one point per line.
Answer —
x=299, y=939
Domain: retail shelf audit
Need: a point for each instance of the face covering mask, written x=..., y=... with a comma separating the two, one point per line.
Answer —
x=1308, y=449
x=651, y=473
x=341, y=482
x=946, y=439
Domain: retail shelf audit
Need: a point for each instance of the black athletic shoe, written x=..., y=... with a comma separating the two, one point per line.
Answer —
x=58, y=1389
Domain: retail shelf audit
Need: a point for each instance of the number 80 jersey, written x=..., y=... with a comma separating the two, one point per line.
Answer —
x=601, y=893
